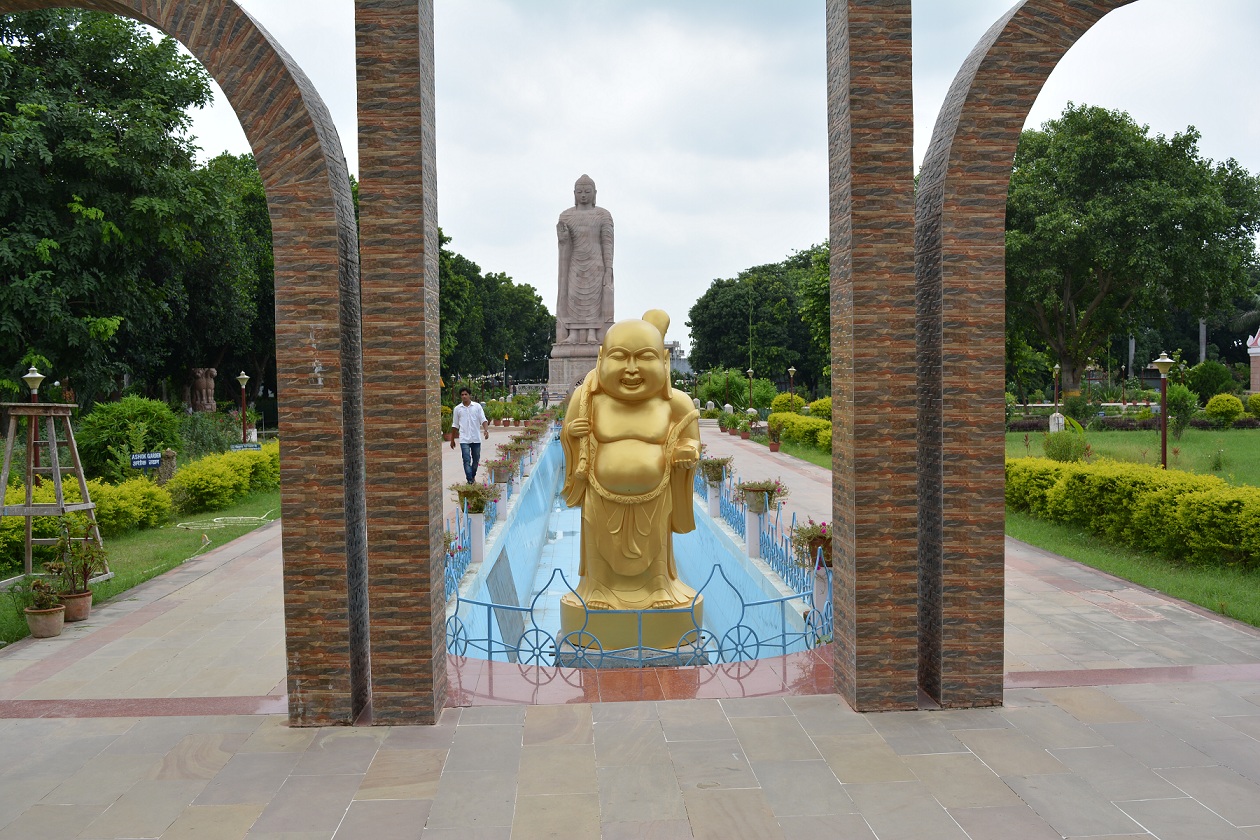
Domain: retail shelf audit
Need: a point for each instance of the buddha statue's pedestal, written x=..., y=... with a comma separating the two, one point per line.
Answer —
x=619, y=630
x=568, y=366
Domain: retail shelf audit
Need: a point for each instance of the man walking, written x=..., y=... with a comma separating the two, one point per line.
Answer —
x=467, y=419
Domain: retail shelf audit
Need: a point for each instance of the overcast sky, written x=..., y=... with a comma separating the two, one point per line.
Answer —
x=703, y=122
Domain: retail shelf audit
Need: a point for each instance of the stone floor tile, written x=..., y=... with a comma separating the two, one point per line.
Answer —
x=557, y=769
x=630, y=742
x=249, y=778
x=288, y=835
x=403, y=774
x=694, y=720
x=915, y=734
x=1234, y=797
x=494, y=747
x=960, y=780
x=222, y=822
x=492, y=715
x=621, y=712
x=1180, y=819
x=51, y=822
x=146, y=810
x=801, y=788
x=1152, y=746
x=755, y=707
x=859, y=759
x=340, y=750
x=826, y=827
x=199, y=756
x=1071, y=806
x=1114, y=774
x=639, y=793
x=398, y=819
x=731, y=815
x=101, y=781
x=774, y=739
x=467, y=833
x=903, y=811
x=1008, y=752
x=570, y=724
x=275, y=736
x=561, y=816
x=708, y=765
x=477, y=799
x=823, y=715
x=1053, y=728
x=1090, y=705
x=1003, y=823
x=309, y=804
x=16, y=795
x=653, y=830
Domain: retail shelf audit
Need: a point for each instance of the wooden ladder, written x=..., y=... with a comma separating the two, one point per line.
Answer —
x=47, y=415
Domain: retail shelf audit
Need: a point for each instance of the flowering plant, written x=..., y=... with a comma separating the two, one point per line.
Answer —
x=772, y=487
x=477, y=496
x=451, y=540
x=713, y=469
x=808, y=537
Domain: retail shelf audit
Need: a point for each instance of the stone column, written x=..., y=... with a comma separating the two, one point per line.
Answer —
x=399, y=248
x=870, y=134
x=1253, y=350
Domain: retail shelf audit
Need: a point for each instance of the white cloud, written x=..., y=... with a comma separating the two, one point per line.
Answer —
x=703, y=122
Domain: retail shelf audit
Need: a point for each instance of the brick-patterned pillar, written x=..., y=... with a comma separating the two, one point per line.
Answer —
x=398, y=230
x=1253, y=351
x=317, y=327
x=871, y=133
x=961, y=275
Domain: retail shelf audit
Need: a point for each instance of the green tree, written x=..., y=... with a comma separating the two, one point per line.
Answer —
x=98, y=197
x=762, y=304
x=1108, y=227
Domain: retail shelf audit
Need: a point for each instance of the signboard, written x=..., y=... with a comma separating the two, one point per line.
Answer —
x=146, y=460
x=237, y=447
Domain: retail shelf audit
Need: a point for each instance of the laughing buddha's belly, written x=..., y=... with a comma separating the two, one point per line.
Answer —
x=630, y=467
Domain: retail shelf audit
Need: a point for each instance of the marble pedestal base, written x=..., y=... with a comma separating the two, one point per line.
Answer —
x=619, y=630
x=568, y=366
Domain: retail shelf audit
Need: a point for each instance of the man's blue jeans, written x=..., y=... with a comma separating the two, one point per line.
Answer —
x=472, y=457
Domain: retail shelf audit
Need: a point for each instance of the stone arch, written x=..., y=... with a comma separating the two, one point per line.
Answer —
x=960, y=276
x=318, y=348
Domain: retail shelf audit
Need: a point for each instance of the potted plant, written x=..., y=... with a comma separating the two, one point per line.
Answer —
x=774, y=429
x=744, y=428
x=476, y=496
x=82, y=558
x=808, y=538
x=500, y=470
x=759, y=496
x=713, y=469
x=45, y=615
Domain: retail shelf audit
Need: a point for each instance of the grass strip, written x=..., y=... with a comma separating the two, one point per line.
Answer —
x=142, y=555
x=1231, y=592
x=812, y=454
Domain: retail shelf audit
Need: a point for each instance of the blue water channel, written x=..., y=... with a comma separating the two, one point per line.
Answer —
x=508, y=607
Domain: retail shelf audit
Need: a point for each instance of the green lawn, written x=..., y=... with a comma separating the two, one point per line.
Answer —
x=1236, y=450
x=1226, y=591
x=141, y=555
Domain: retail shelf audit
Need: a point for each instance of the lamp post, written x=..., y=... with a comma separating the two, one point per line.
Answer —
x=32, y=379
x=750, y=400
x=1123, y=404
x=1164, y=364
x=243, y=379
x=1056, y=387
x=792, y=386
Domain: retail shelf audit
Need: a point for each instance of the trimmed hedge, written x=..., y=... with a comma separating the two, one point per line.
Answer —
x=802, y=429
x=218, y=481
x=1188, y=518
x=787, y=402
x=821, y=408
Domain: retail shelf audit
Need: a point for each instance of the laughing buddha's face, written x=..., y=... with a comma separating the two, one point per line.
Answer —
x=632, y=364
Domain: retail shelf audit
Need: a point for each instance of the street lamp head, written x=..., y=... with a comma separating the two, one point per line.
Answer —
x=242, y=379
x=750, y=373
x=32, y=379
x=792, y=371
x=1056, y=368
x=1164, y=363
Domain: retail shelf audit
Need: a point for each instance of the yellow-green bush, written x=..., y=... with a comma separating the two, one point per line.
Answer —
x=786, y=402
x=1223, y=410
x=217, y=481
x=824, y=439
x=1253, y=405
x=802, y=429
x=1183, y=516
x=13, y=528
x=136, y=503
x=821, y=408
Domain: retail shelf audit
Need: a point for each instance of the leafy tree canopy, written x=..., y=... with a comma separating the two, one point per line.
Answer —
x=1109, y=228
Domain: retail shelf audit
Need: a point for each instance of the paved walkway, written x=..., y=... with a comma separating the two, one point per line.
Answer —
x=1126, y=715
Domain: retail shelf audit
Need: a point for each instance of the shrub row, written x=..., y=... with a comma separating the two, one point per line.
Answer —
x=1194, y=519
x=805, y=430
x=217, y=481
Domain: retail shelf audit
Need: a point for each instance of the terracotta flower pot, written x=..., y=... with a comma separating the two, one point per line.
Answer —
x=78, y=605
x=823, y=543
x=745, y=435
x=774, y=446
x=45, y=624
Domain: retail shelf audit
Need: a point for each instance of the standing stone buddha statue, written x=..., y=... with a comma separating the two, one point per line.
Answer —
x=584, y=310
